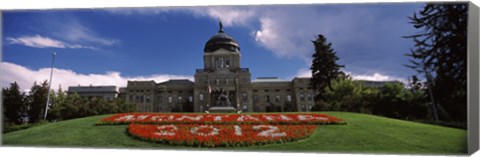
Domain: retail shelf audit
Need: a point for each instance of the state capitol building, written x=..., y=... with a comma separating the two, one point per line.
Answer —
x=221, y=73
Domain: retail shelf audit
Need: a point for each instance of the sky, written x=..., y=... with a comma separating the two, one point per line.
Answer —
x=113, y=45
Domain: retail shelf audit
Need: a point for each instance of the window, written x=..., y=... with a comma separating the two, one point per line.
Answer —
x=245, y=107
x=130, y=99
x=277, y=90
x=170, y=99
x=255, y=98
x=222, y=64
x=289, y=98
x=266, y=90
x=277, y=98
x=217, y=82
x=147, y=99
x=227, y=63
x=159, y=99
x=244, y=97
x=190, y=99
x=267, y=98
x=227, y=81
x=255, y=90
x=302, y=97
x=309, y=97
x=159, y=108
x=142, y=99
x=200, y=97
x=179, y=98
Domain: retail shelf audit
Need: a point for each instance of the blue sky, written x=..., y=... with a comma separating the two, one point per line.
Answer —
x=110, y=46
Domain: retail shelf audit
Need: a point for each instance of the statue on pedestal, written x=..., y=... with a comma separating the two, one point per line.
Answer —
x=222, y=99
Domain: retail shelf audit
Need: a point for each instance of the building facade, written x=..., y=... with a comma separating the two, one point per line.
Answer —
x=105, y=92
x=221, y=73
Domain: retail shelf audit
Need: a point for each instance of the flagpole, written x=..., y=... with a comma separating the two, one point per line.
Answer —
x=49, y=86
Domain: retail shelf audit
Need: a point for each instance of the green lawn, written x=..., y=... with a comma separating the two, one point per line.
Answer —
x=362, y=134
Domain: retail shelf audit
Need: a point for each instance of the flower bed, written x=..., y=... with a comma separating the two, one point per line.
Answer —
x=214, y=130
x=220, y=135
x=154, y=118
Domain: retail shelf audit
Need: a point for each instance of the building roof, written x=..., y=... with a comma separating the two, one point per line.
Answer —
x=177, y=81
x=221, y=40
x=97, y=89
x=269, y=79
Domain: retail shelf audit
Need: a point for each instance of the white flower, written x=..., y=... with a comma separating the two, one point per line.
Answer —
x=269, y=132
x=214, y=131
x=238, y=130
x=125, y=118
x=163, y=132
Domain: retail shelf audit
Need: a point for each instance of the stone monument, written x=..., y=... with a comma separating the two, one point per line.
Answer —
x=222, y=102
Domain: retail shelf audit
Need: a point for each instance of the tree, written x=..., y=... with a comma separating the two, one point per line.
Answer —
x=441, y=50
x=58, y=104
x=343, y=94
x=324, y=66
x=13, y=103
x=37, y=100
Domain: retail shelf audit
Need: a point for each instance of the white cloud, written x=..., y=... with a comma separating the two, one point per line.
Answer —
x=25, y=77
x=43, y=42
x=74, y=31
x=304, y=72
x=229, y=15
x=374, y=77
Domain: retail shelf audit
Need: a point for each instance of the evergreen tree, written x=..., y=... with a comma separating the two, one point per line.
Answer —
x=13, y=103
x=58, y=104
x=37, y=100
x=441, y=50
x=324, y=66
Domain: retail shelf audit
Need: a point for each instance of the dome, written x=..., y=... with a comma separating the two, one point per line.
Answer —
x=221, y=40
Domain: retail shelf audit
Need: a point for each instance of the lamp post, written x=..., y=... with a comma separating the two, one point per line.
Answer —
x=49, y=86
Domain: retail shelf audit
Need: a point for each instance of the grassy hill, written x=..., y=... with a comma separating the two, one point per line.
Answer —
x=362, y=134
